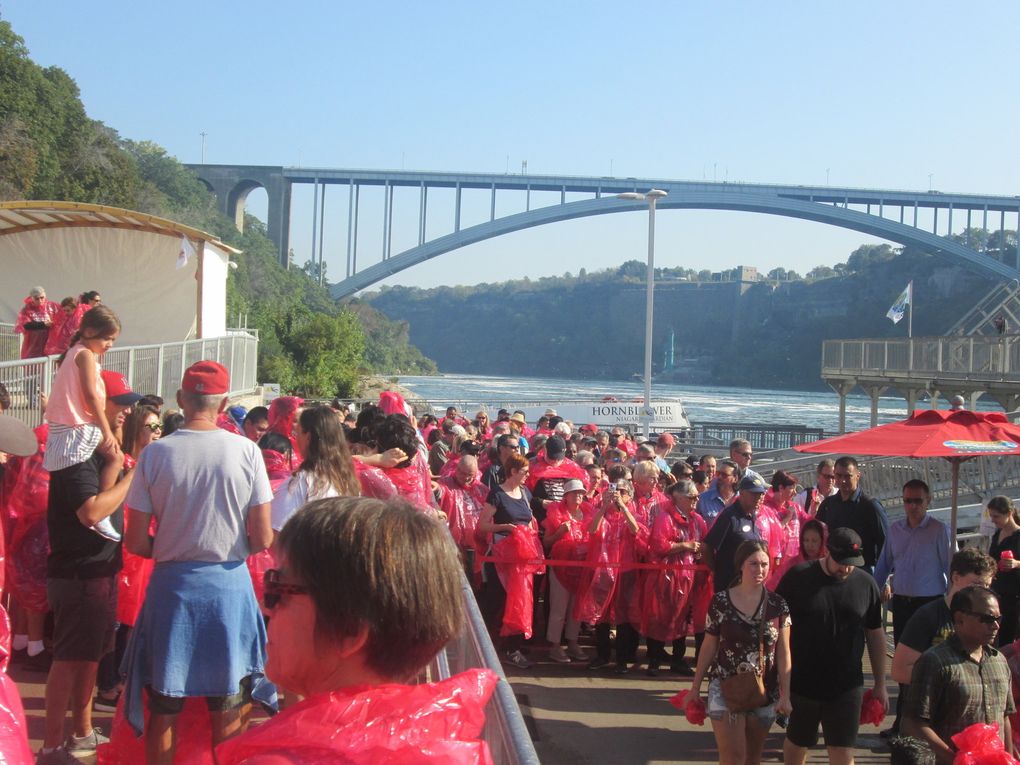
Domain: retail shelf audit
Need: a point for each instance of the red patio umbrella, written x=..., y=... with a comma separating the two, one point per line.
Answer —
x=955, y=435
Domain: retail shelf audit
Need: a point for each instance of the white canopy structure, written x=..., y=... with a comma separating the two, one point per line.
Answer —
x=167, y=282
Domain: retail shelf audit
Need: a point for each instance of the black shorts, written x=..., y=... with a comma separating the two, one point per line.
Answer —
x=174, y=705
x=840, y=718
x=84, y=613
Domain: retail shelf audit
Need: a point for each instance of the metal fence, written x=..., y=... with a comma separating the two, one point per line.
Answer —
x=10, y=343
x=505, y=730
x=993, y=358
x=149, y=369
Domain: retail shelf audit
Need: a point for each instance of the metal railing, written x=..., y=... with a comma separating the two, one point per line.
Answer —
x=10, y=343
x=761, y=436
x=153, y=369
x=505, y=730
x=977, y=357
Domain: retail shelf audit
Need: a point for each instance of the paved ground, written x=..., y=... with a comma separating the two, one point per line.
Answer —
x=575, y=717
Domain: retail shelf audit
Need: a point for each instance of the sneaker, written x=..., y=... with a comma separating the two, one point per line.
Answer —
x=621, y=668
x=105, y=704
x=577, y=653
x=556, y=653
x=598, y=663
x=106, y=530
x=518, y=659
x=39, y=663
x=86, y=743
x=58, y=756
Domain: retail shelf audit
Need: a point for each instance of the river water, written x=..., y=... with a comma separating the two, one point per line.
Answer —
x=704, y=403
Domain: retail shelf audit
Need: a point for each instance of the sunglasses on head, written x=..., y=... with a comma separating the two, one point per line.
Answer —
x=274, y=589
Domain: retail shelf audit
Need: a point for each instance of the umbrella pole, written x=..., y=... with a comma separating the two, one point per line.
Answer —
x=955, y=491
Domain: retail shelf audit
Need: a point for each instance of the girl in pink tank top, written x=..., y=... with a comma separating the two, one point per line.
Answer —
x=76, y=410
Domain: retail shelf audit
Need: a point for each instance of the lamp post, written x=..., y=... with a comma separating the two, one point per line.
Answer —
x=651, y=196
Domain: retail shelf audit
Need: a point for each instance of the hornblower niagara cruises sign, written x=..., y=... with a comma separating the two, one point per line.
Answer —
x=669, y=413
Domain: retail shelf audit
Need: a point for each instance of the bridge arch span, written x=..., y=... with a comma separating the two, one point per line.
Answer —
x=872, y=225
x=236, y=199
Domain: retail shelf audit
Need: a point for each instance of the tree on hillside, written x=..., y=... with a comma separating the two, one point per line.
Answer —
x=867, y=254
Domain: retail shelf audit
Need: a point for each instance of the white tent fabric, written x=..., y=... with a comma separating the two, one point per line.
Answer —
x=134, y=270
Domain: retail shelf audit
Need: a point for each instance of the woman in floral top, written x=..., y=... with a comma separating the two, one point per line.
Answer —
x=731, y=640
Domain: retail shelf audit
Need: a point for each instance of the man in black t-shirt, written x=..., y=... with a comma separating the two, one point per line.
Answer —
x=81, y=581
x=836, y=608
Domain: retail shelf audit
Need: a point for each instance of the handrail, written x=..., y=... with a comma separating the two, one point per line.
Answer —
x=505, y=730
x=152, y=369
x=981, y=357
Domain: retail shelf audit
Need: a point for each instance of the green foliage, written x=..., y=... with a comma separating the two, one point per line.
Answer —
x=50, y=149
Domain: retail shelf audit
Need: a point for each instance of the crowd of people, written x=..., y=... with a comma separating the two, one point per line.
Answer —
x=200, y=559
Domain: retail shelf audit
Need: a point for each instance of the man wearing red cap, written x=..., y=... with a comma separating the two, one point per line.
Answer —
x=81, y=584
x=200, y=632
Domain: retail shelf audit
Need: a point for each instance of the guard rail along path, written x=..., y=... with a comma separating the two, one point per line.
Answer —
x=938, y=366
x=149, y=369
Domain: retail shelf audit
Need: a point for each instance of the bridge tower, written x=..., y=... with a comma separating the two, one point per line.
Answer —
x=232, y=183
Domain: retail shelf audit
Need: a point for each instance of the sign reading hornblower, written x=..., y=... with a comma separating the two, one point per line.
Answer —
x=669, y=413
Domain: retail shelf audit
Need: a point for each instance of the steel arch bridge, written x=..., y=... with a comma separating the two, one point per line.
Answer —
x=864, y=210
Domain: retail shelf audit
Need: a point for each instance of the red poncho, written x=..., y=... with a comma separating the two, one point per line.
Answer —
x=413, y=483
x=382, y=725
x=374, y=482
x=282, y=413
x=14, y=748
x=33, y=343
x=518, y=558
x=63, y=329
x=675, y=600
x=462, y=505
x=572, y=546
x=541, y=469
x=133, y=577
x=610, y=594
x=30, y=536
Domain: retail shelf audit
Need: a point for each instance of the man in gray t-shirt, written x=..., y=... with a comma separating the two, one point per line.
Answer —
x=200, y=632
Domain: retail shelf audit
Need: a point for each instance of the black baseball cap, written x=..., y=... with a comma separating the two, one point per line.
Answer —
x=845, y=547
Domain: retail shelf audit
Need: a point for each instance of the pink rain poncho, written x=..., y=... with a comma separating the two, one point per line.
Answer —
x=572, y=546
x=675, y=601
x=518, y=558
x=374, y=482
x=608, y=593
x=462, y=505
x=413, y=483
x=382, y=725
x=33, y=343
x=565, y=470
x=282, y=413
x=63, y=329
x=29, y=534
x=980, y=744
x=133, y=577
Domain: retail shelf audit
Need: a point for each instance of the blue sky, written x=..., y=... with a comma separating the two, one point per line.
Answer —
x=879, y=94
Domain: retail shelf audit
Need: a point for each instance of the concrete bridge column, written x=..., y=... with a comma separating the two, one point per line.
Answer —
x=279, y=191
x=912, y=395
x=842, y=389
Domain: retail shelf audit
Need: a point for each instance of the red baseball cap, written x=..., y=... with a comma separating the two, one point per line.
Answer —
x=206, y=378
x=117, y=388
x=589, y=428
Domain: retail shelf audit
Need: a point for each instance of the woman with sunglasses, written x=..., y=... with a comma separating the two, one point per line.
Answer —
x=141, y=427
x=484, y=426
x=348, y=650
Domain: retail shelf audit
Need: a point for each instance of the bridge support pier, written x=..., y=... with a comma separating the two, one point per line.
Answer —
x=842, y=389
x=874, y=393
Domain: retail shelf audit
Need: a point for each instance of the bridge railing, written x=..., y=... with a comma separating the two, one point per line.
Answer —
x=964, y=358
x=155, y=369
x=505, y=730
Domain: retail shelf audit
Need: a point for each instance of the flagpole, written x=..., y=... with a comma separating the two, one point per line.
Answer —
x=910, y=309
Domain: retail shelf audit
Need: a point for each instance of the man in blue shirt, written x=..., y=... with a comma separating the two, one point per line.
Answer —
x=720, y=493
x=917, y=553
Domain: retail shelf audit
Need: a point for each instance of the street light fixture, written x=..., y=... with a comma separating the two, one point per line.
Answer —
x=651, y=197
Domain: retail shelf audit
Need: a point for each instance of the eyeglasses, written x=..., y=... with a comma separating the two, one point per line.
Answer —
x=913, y=501
x=830, y=476
x=986, y=618
x=155, y=427
x=746, y=455
x=274, y=589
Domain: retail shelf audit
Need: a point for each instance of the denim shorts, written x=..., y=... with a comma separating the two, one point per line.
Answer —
x=766, y=715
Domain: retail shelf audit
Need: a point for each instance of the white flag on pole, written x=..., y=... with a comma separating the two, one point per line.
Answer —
x=900, y=306
x=187, y=252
